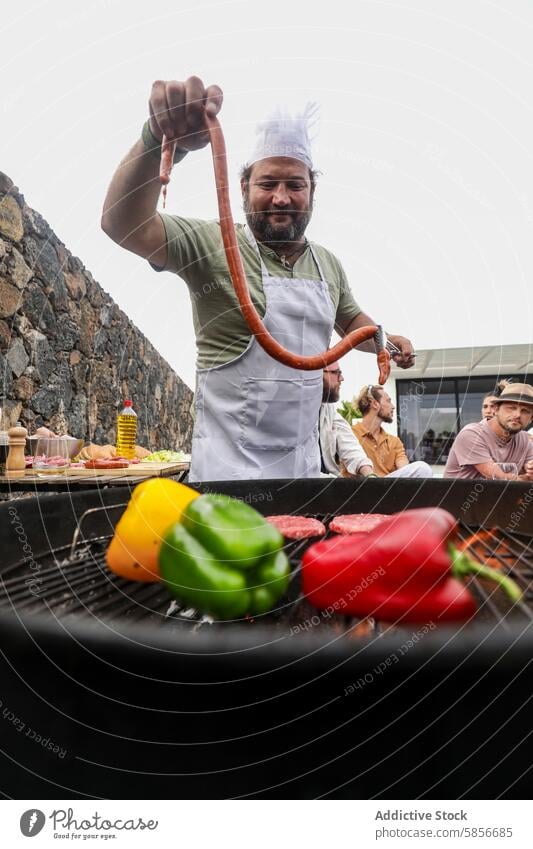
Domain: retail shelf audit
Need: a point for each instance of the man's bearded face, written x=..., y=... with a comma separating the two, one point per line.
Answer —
x=386, y=408
x=512, y=417
x=278, y=200
x=331, y=384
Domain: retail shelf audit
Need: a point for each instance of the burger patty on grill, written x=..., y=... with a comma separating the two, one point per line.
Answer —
x=297, y=527
x=356, y=523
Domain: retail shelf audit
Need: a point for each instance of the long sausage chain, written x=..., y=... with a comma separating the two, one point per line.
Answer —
x=168, y=149
x=233, y=256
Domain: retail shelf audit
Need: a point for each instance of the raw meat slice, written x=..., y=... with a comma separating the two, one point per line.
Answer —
x=356, y=523
x=297, y=527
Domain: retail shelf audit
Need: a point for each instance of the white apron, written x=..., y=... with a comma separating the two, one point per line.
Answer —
x=256, y=418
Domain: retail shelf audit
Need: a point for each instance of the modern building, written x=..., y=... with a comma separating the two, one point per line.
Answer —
x=444, y=392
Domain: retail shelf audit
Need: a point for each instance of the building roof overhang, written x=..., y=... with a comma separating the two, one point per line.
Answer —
x=464, y=362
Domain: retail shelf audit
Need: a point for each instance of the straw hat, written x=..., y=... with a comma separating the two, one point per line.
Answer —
x=516, y=393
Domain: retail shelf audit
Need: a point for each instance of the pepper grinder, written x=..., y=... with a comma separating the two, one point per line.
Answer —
x=16, y=462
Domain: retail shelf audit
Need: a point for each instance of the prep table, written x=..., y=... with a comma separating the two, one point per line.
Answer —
x=81, y=478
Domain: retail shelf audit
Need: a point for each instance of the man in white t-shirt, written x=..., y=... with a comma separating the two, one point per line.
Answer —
x=480, y=448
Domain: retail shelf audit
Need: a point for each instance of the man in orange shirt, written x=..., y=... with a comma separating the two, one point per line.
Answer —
x=386, y=452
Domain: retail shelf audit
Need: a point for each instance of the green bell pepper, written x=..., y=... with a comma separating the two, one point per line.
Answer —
x=223, y=558
x=232, y=531
x=268, y=582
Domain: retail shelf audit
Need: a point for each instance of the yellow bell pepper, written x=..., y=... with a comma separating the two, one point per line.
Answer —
x=154, y=505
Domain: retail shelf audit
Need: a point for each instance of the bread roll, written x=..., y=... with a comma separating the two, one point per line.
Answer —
x=107, y=452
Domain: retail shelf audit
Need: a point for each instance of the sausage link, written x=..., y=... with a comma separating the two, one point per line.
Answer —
x=168, y=149
x=236, y=268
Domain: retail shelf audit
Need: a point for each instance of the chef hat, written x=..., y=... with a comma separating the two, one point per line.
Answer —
x=284, y=135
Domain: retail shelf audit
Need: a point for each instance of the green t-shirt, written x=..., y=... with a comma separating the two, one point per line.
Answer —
x=196, y=253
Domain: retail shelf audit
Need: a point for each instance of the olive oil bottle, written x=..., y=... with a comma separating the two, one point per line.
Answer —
x=126, y=431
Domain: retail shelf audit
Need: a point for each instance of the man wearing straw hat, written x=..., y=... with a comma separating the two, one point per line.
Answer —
x=484, y=449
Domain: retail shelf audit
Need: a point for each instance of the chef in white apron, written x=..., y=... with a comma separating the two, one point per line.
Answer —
x=257, y=418
x=254, y=417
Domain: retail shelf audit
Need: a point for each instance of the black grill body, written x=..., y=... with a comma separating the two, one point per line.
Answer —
x=114, y=706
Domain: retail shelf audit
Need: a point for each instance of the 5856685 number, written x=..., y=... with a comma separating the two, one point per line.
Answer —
x=500, y=831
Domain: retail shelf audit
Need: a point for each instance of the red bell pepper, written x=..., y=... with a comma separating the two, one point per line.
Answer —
x=404, y=544
x=448, y=601
x=403, y=569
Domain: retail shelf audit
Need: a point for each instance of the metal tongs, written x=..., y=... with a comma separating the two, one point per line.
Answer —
x=379, y=342
x=379, y=339
x=393, y=349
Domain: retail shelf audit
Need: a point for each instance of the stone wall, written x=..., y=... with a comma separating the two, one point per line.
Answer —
x=63, y=338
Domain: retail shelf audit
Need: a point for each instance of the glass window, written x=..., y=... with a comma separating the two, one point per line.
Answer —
x=427, y=413
x=431, y=412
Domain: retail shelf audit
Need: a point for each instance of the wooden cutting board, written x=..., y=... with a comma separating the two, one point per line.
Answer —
x=136, y=470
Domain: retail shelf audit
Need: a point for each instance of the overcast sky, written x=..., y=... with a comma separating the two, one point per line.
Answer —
x=425, y=144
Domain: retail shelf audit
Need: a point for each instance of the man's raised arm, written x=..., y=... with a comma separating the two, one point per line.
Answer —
x=177, y=110
x=404, y=358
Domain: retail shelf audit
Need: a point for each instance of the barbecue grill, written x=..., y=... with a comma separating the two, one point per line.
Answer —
x=112, y=690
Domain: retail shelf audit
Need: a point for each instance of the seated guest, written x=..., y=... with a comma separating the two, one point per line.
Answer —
x=480, y=447
x=340, y=452
x=385, y=451
x=488, y=406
